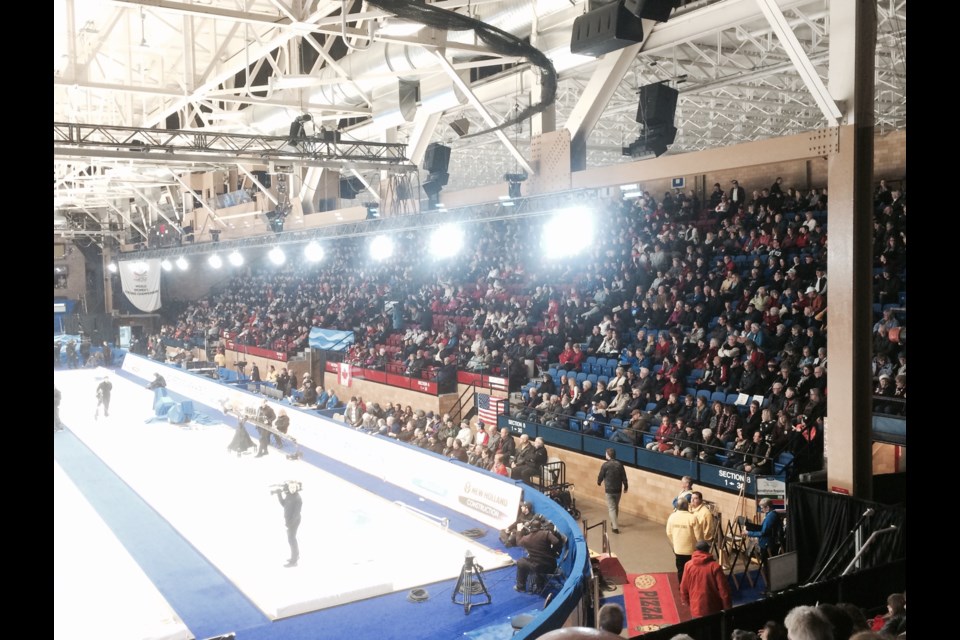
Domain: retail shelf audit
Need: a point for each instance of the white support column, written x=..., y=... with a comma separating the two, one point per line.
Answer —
x=800, y=60
x=607, y=76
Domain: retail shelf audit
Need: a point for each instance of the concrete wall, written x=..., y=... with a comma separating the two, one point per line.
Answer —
x=890, y=162
x=651, y=495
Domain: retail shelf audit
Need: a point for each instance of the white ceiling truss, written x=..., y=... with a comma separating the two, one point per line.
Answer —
x=252, y=66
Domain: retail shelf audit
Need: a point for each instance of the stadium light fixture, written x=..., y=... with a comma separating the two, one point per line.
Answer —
x=381, y=247
x=277, y=256
x=313, y=252
x=182, y=263
x=446, y=241
x=215, y=261
x=569, y=232
x=235, y=258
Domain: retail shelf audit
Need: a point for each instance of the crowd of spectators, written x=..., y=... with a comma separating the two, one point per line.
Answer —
x=486, y=446
x=726, y=296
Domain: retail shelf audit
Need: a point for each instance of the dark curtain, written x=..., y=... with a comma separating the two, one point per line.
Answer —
x=819, y=526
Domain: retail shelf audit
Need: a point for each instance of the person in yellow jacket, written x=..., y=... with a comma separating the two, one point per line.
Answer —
x=682, y=532
x=706, y=523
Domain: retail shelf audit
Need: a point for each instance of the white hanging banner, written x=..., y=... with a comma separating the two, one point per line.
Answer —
x=140, y=281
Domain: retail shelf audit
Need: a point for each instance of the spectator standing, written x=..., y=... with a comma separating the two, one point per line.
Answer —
x=613, y=477
x=682, y=533
x=704, y=585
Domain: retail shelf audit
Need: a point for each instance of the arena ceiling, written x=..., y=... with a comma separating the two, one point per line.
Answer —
x=253, y=66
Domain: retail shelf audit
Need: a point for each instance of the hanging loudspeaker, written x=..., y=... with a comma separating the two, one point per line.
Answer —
x=609, y=28
x=658, y=105
x=437, y=158
x=658, y=10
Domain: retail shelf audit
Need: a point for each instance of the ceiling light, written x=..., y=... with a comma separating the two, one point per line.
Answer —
x=313, y=252
x=277, y=256
x=446, y=241
x=381, y=247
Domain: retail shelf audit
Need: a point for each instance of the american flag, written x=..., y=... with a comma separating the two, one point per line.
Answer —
x=488, y=407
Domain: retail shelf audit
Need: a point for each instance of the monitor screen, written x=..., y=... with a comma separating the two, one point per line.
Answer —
x=783, y=570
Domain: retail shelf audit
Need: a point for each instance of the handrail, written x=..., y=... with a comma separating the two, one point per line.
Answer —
x=457, y=410
x=865, y=546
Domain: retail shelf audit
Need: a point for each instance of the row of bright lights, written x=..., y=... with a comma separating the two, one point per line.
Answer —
x=570, y=231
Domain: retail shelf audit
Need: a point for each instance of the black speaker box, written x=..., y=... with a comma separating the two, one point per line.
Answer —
x=350, y=187
x=658, y=105
x=435, y=182
x=263, y=177
x=609, y=28
x=437, y=158
x=658, y=10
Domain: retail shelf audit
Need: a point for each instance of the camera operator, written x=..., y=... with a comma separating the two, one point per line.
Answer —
x=292, y=503
x=509, y=535
x=541, y=544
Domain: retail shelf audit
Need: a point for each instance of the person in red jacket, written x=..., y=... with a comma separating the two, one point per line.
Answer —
x=704, y=586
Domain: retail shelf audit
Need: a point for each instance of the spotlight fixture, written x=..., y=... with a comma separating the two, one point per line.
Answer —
x=215, y=261
x=182, y=263
x=276, y=218
x=235, y=258
x=513, y=181
x=112, y=267
x=166, y=265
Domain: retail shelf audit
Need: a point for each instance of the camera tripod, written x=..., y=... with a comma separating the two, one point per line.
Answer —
x=469, y=584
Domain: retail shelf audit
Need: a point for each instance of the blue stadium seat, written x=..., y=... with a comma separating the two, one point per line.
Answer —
x=705, y=394
x=581, y=377
x=616, y=422
x=691, y=391
x=592, y=360
x=603, y=379
x=718, y=396
x=576, y=422
x=731, y=398
x=651, y=406
x=592, y=378
x=781, y=462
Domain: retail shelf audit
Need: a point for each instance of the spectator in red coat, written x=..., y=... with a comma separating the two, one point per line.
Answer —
x=704, y=586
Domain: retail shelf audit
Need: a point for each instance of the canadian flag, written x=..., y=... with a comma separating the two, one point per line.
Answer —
x=346, y=374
